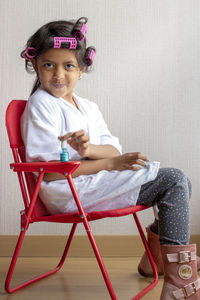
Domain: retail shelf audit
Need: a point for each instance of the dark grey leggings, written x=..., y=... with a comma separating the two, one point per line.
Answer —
x=171, y=191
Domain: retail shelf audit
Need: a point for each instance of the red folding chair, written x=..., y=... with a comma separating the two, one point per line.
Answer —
x=35, y=211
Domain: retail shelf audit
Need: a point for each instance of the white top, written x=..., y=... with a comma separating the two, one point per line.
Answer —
x=47, y=117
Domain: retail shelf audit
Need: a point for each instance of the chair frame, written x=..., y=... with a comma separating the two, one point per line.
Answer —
x=35, y=212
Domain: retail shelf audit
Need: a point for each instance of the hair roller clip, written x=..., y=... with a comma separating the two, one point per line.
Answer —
x=89, y=56
x=80, y=34
x=27, y=55
x=65, y=42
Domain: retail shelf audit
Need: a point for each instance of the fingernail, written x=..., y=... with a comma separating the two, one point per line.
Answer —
x=77, y=140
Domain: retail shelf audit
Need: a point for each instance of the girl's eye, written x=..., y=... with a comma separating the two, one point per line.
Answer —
x=48, y=65
x=69, y=66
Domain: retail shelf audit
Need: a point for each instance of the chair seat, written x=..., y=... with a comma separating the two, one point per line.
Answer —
x=91, y=216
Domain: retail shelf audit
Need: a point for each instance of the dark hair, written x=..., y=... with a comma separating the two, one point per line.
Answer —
x=43, y=39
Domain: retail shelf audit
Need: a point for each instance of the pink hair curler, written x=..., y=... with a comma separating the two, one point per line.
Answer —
x=80, y=34
x=89, y=57
x=26, y=54
x=68, y=40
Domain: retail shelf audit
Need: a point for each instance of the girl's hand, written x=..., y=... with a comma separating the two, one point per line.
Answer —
x=79, y=141
x=128, y=161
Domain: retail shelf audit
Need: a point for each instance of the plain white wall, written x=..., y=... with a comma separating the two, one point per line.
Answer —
x=145, y=80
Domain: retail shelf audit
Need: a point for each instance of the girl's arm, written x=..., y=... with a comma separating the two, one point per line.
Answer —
x=128, y=161
x=102, y=151
x=86, y=167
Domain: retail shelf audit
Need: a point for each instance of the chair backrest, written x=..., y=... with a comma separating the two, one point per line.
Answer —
x=27, y=184
x=13, y=115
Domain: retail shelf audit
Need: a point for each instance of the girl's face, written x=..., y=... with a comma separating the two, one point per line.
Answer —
x=58, y=72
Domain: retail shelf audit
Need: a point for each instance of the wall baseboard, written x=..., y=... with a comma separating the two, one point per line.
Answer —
x=52, y=246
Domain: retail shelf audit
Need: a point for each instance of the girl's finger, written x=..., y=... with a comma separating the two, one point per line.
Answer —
x=135, y=158
x=72, y=135
x=141, y=163
x=84, y=139
x=135, y=168
x=78, y=134
x=138, y=155
x=66, y=136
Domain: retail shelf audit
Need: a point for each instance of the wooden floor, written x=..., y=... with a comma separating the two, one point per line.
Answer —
x=79, y=279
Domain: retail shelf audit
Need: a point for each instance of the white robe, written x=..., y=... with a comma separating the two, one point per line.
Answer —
x=47, y=117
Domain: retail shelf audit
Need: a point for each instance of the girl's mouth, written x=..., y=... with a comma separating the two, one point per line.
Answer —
x=58, y=85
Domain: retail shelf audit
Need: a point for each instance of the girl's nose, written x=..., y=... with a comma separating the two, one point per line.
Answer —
x=58, y=74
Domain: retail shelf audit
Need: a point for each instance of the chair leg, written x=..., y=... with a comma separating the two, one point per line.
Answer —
x=146, y=246
x=99, y=260
x=69, y=240
x=15, y=257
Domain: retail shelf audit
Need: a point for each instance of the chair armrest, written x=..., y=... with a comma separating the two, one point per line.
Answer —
x=65, y=168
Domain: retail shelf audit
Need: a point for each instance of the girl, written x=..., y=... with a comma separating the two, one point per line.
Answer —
x=106, y=179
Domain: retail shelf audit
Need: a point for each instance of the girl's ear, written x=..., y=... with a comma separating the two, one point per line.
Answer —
x=34, y=63
x=80, y=73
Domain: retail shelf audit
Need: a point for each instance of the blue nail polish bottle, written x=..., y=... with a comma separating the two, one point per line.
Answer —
x=64, y=155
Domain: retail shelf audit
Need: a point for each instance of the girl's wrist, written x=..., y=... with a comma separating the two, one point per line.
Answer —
x=87, y=152
x=109, y=164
